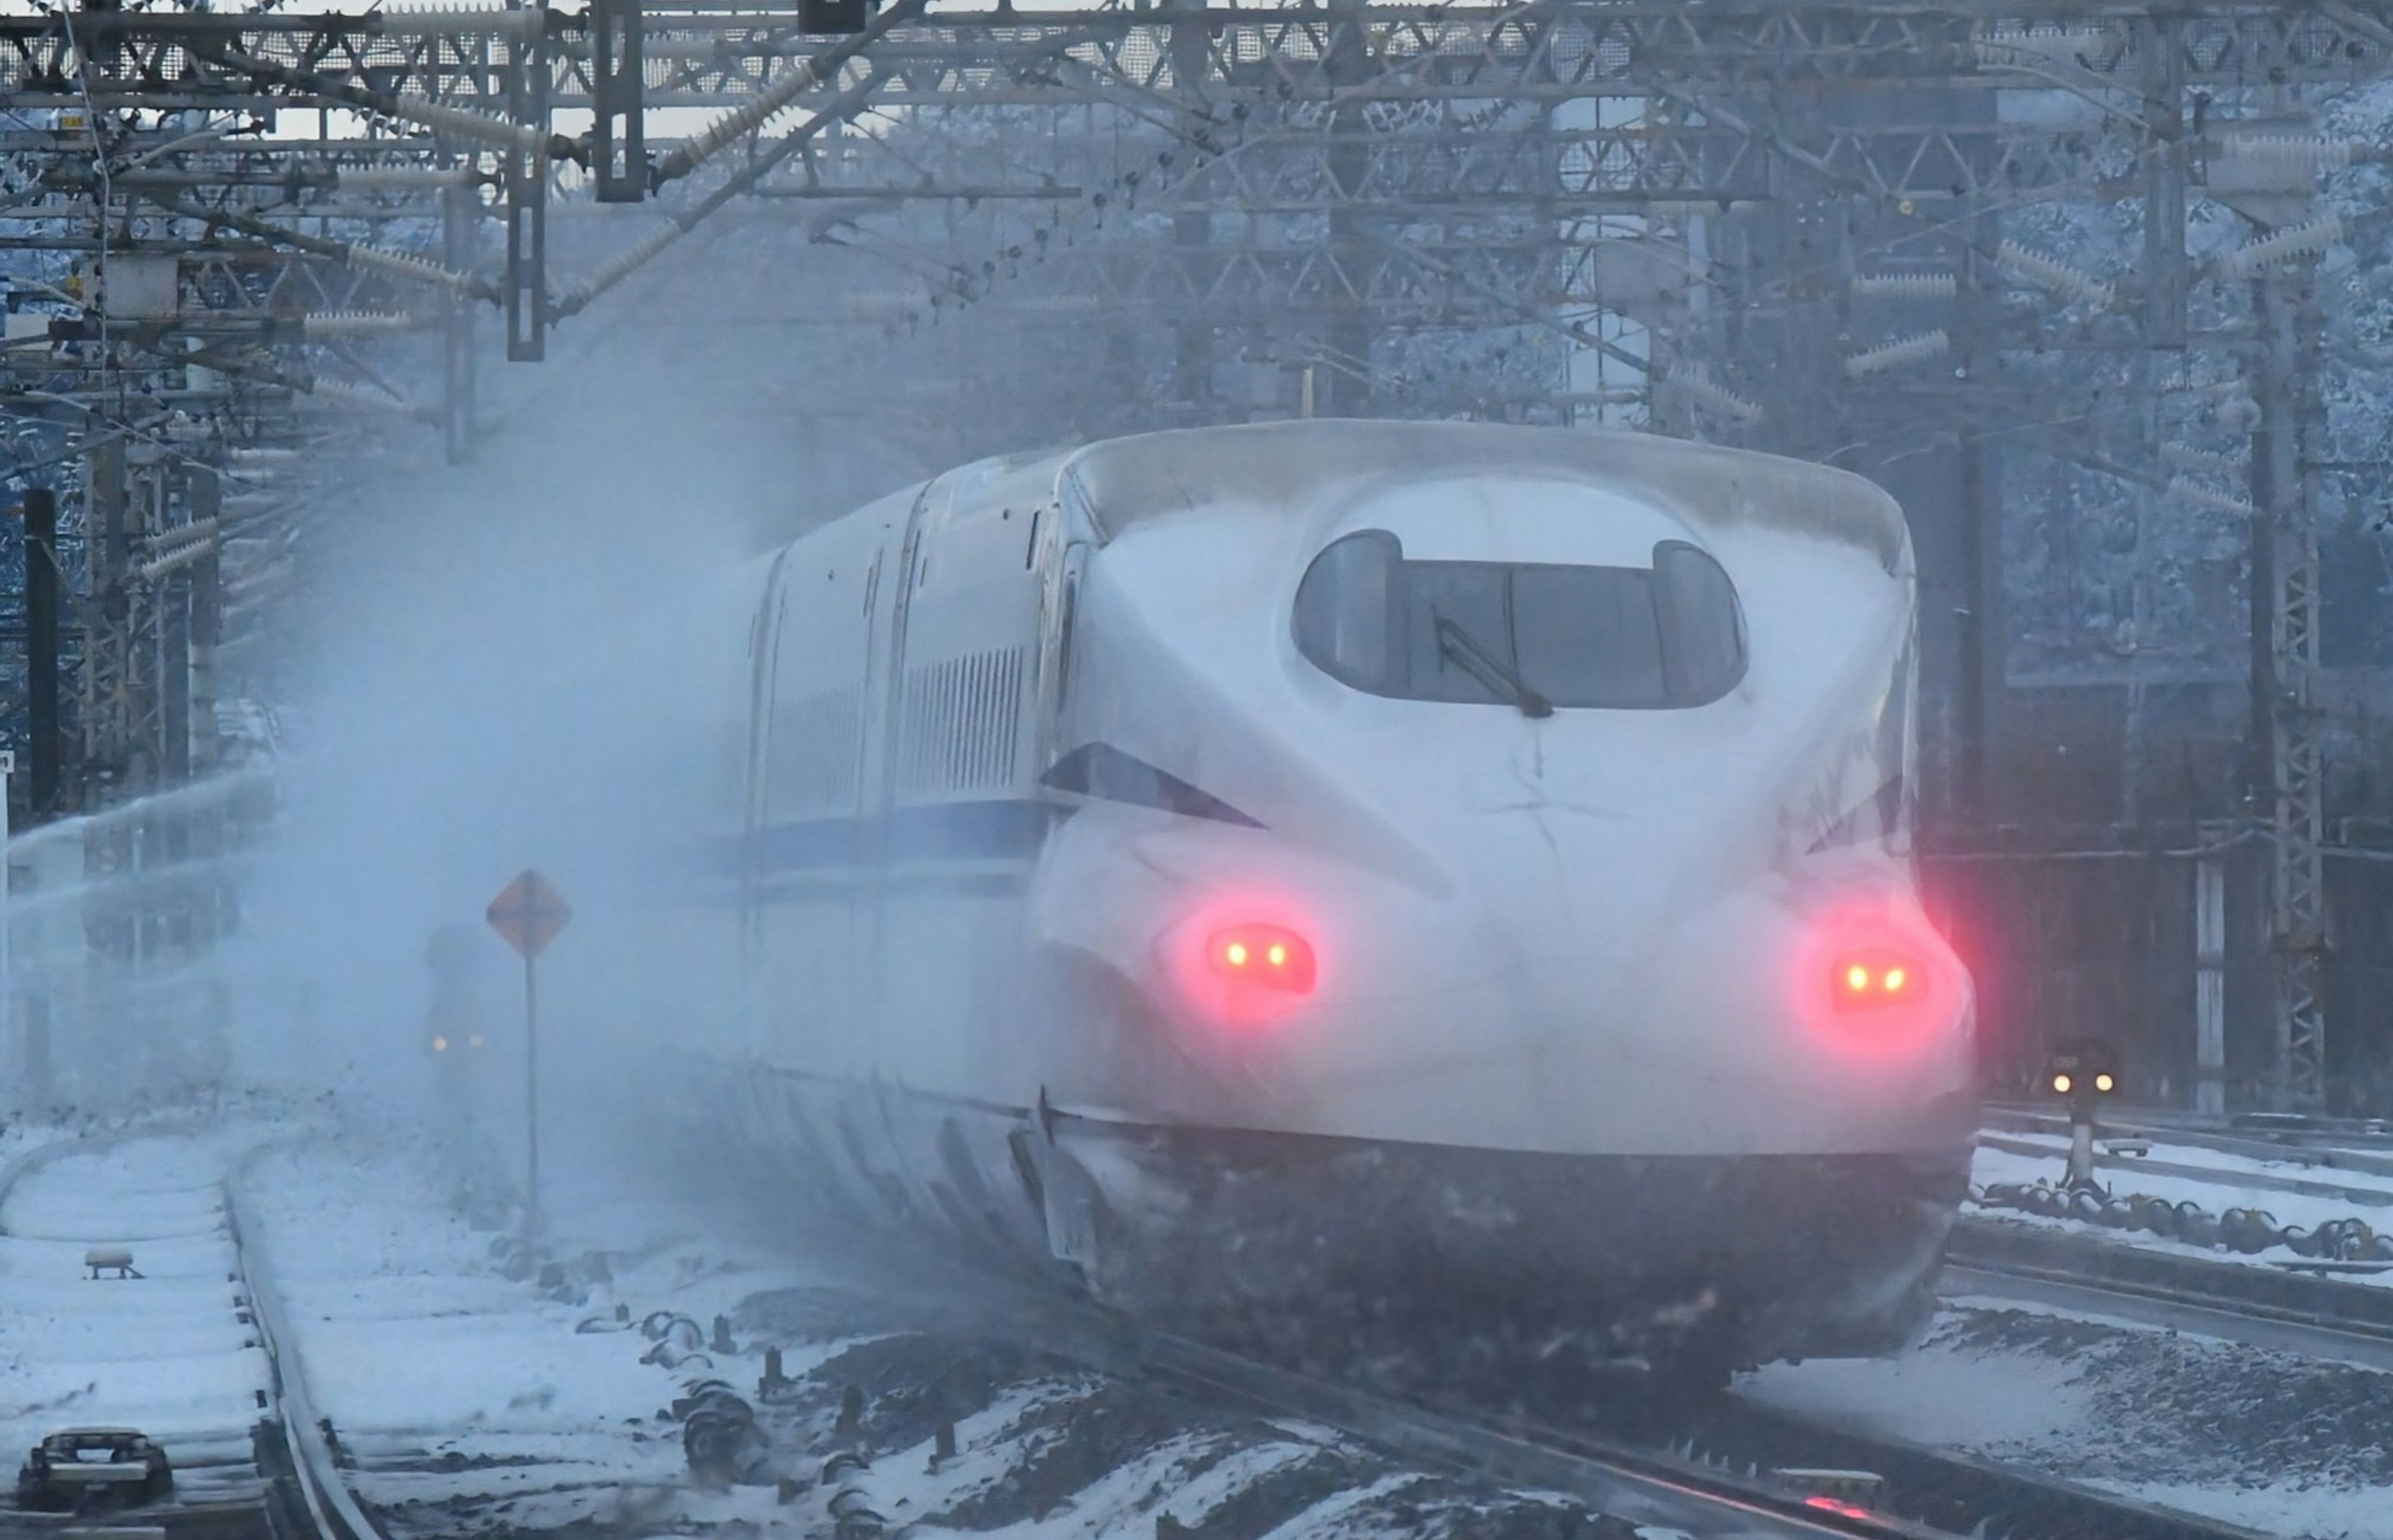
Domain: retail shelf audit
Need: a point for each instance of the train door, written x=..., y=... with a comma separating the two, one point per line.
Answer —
x=1061, y=562
x=963, y=818
x=753, y=875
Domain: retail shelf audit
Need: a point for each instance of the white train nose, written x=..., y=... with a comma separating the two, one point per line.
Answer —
x=1560, y=994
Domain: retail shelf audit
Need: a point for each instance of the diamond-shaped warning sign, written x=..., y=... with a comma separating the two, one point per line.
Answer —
x=529, y=912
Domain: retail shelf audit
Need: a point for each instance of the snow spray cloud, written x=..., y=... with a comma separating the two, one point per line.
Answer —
x=517, y=663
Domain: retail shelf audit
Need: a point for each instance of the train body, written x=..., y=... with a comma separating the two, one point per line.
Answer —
x=1453, y=878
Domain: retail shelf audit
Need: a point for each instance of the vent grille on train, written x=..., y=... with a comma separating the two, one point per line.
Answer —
x=815, y=754
x=958, y=722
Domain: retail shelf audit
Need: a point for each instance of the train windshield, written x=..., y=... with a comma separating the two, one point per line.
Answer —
x=1535, y=635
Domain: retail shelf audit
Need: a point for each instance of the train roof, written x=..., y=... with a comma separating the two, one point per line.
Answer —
x=1126, y=481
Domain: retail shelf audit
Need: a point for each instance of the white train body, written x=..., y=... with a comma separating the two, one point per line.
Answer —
x=1507, y=912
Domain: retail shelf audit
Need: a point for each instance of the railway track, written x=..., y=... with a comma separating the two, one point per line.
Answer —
x=1737, y=1469
x=184, y=1343
x=2255, y=1306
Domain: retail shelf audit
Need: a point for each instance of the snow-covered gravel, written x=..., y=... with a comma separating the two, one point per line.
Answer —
x=166, y=1352
x=480, y=1391
x=2284, y=1444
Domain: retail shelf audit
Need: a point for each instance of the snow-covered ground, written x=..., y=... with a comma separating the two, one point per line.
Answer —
x=2282, y=1444
x=2228, y=1188
x=166, y=1352
x=478, y=1389
x=474, y=1396
x=2223, y=1177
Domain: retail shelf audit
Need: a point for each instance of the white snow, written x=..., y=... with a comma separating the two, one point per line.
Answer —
x=165, y=1353
x=2214, y=1196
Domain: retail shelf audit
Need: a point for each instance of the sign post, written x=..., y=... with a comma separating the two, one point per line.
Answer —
x=529, y=912
x=9, y=1056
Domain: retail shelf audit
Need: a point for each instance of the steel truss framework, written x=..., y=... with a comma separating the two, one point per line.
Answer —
x=1787, y=223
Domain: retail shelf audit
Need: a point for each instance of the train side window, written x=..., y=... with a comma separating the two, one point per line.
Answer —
x=1703, y=626
x=1348, y=610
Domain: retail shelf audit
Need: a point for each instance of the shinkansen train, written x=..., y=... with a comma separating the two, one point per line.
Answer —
x=1446, y=881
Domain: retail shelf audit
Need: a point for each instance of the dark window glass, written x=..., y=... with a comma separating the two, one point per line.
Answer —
x=1346, y=615
x=1622, y=637
x=1703, y=632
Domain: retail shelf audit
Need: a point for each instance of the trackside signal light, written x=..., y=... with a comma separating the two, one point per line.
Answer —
x=1874, y=979
x=1270, y=955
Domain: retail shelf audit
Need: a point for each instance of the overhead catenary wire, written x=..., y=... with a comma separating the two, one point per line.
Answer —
x=351, y=253
x=680, y=222
x=809, y=75
x=420, y=111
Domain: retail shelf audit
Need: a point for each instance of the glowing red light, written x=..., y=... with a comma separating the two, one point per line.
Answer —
x=1874, y=978
x=1870, y=980
x=1270, y=955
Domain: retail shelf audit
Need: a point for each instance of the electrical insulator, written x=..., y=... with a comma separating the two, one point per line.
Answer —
x=1920, y=286
x=416, y=269
x=1702, y=387
x=2283, y=246
x=2194, y=459
x=2069, y=45
x=1894, y=355
x=444, y=15
x=334, y=390
x=393, y=178
x=2209, y=497
x=2052, y=276
x=2186, y=384
x=355, y=323
x=2291, y=151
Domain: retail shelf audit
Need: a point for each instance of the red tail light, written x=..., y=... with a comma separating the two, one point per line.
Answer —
x=1863, y=980
x=1270, y=956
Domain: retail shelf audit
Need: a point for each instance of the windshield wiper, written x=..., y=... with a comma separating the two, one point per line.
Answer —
x=1489, y=670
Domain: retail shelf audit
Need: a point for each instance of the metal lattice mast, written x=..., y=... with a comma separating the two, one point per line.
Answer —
x=2284, y=306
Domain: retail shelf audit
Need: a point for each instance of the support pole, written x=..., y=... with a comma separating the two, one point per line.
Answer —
x=2285, y=739
x=460, y=211
x=42, y=650
x=2166, y=157
x=1191, y=229
x=107, y=662
x=207, y=624
x=1347, y=156
x=531, y=1099
x=2210, y=985
x=2081, y=1151
x=618, y=137
x=528, y=200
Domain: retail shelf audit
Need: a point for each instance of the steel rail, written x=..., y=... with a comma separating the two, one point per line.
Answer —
x=2242, y=1322
x=331, y=1508
x=2132, y=1124
x=1648, y=1486
x=1713, y=1474
x=332, y=1512
x=2330, y=1307
x=2213, y=1176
